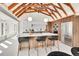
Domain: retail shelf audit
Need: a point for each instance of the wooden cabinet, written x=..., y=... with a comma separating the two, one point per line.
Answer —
x=76, y=31
x=74, y=38
x=66, y=32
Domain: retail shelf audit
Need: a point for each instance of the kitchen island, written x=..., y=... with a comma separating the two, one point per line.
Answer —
x=37, y=34
x=33, y=37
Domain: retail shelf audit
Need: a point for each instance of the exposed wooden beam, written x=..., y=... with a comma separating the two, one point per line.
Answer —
x=12, y=6
x=42, y=5
x=62, y=9
x=30, y=11
x=51, y=10
x=44, y=13
x=21, y=14
x=56, y=6
x=50, y=14
x=18, y=7
x=69, y=5
x=56, y=10
x=23, y=9
x=20, y=11
x=53, y=13
x=40, y=11
x=59, y=7
x=28, y=7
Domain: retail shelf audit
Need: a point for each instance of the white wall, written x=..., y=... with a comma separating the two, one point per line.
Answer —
x=38, y=21
x=9, y=31
x=9, y=24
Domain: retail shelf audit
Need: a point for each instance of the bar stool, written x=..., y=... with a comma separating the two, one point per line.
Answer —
x=24, y=39
x=41, y=39
x=58, y=53
x=54, y=38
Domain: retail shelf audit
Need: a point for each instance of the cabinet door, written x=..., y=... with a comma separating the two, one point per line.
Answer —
x=62, y=31
x=76, y=32
x=66, y=33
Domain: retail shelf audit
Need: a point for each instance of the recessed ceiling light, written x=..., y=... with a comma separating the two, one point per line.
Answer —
x=45, y=20
x=29, y=18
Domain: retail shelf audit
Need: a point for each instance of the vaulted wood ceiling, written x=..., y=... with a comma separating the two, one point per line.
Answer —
x=50, y=9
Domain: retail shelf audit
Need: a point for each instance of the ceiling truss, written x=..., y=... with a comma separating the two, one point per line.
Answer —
x=40, y=8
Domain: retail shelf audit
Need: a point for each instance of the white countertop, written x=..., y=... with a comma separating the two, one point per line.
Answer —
x=37, y=34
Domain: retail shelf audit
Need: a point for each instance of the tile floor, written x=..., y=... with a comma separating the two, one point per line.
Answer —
x=44, y=51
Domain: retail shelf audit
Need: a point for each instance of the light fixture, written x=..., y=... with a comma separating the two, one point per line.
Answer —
x=45, y=20
x=29, y=18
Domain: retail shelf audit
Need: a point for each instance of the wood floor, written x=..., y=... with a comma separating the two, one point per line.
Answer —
x=44, y=51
